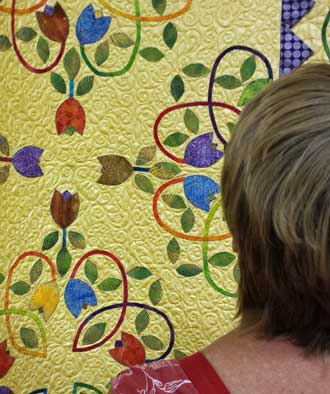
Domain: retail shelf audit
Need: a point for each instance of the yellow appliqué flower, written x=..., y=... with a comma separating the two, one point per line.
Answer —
x=45, y=299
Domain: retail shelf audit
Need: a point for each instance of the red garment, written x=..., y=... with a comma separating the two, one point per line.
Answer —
x=191, y=375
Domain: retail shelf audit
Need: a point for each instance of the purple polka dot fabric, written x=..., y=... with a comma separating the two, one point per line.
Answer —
x=294, y=51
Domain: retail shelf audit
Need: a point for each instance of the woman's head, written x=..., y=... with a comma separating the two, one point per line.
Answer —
x=276, y=197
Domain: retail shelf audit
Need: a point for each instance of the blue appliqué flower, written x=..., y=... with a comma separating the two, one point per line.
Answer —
x=78, y=294
x=89, y=28
x=200, y=190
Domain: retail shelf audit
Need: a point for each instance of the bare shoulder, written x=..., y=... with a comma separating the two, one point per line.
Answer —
x=267, y=367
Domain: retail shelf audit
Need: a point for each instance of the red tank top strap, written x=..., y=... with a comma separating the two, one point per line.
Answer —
x=202, y=375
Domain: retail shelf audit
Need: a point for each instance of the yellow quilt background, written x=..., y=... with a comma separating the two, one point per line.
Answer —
x=120, y=114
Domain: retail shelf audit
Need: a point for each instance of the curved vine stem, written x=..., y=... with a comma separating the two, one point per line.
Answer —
x=206, y=270
x=131, y=60
x=324, y=35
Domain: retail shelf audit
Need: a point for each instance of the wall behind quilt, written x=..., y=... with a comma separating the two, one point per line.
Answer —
x=113, y=119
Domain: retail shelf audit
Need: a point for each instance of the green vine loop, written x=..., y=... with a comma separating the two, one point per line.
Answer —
x=132, y=59
x=206, y=270
x=324, y=35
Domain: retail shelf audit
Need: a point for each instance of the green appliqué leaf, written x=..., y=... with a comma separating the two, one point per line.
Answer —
x=222, y=259
x=189, y=270
x=58, y=82
x=109, y=284
x=43, y=49
x=152, y=342
x=174, y=201
x=248, y=68
x=72, y=63
x=94, y=333
x=236, y=273
x=252, y=89
x=29, y=338
x=151, y=54
x=63, y=261
x=20, y=288
x=77, y=240
x=156, y=292
x=139, y=273
x=191, y=121
x=231, y=126
x=121, y=40
x=228, y=82
x=102, y=53
x=26, y=34
x=165, y=170
x=5, y=43
x=170, y=35
x=50, y=240
x=85, y=85
x=196, y=70
x=178, y=355
x=146, y=155
x=36, y=271
x=144, y=183
x=159, y=6
x=91, y=271
x=142, y=321
x=177, y=87
x=176, y=139
x=4, y=146
x=187, y=220
x=2, y=278
x=4, y=174
x=173, y=250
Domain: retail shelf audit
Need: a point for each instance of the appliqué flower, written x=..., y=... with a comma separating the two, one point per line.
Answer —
x=5, y=390
x=202, y=151
x=90, y=26
x=64, y=208
x=115, y=170
x=54, y=23
x=78, y=294
x=45, y=299
x=6, y=362
x=200, y=190
x=70, y=117
x=26, y=161
x=129, y=351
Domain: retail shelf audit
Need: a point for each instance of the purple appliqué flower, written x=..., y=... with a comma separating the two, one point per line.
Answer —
x=202, y=151
x=5, y=390
x=26, y=161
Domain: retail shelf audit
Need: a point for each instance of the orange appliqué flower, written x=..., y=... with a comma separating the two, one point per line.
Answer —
x=129, y=351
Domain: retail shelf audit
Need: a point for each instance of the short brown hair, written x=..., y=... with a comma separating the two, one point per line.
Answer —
x=276, y=198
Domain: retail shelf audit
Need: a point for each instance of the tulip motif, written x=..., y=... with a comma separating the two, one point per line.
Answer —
x=64, y=208
x=200, y=190
x=70, y=117
x=45, y=299
x=129, y=351
x=54, y=23
x=115, y=170
x=6, y=362
x=202, y=151
x=91, y=26
x=5, y=390
x=78, y=294
x=26, y=161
